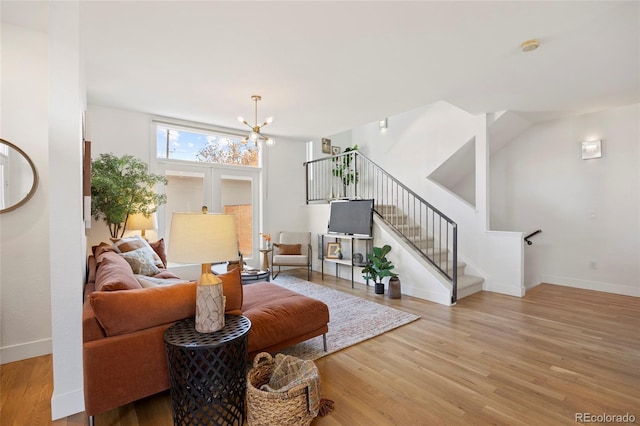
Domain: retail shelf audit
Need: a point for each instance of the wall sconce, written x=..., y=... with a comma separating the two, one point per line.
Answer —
x=591, y=149
x=383, y=124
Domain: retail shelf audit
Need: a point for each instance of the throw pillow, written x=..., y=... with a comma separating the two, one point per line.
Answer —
x=114, y=273
x=232, y=290
x=158, y=247
x=146, y=281
x=141, y=261
x=122, y=312
x=100, y=249
x=290, y=249
x=135, y=242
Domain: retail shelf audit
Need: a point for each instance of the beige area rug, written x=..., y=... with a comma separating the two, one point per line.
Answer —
x=352, y=319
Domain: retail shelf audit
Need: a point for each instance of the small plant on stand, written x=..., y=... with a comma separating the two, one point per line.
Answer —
x=378, y=267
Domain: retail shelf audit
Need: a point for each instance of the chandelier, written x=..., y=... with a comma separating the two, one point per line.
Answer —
x=255, y=134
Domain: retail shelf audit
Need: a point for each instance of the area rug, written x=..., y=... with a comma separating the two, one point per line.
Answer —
x=352, y=319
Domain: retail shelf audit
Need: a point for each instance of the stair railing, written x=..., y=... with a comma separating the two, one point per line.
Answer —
x=529, y=242
x=352, y=175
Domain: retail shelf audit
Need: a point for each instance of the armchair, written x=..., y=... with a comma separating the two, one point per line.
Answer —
x=292, y=249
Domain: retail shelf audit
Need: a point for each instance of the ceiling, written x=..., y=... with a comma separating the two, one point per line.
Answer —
x=326, y=67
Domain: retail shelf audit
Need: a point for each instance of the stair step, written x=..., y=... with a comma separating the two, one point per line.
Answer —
x=386, y=208
x=465, y=281
x=468, y=285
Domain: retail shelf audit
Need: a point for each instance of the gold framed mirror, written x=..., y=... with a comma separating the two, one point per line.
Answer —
x=18, y=176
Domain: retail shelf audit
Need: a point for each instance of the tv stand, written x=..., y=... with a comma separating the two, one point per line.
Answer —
x=349, y=244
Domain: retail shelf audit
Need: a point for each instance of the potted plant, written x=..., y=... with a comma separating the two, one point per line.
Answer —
x=343, y=169
x=121, y=186
x=378, y=267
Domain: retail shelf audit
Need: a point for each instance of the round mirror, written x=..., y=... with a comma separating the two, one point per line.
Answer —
x=18, y=176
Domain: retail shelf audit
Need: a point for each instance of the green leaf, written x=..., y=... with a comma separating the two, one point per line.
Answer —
x=121, y=186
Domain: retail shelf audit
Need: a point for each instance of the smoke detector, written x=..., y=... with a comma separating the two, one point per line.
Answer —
x=529, y=45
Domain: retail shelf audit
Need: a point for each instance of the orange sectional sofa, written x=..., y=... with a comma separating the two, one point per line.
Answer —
x=123, y=345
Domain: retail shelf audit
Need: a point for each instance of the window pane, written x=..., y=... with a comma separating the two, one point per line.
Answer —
x=186, y=145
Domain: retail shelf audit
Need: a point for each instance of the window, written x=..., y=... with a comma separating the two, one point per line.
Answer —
x=204, y=146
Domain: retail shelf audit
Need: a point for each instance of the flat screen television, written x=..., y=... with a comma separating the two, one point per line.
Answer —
x=354, y=217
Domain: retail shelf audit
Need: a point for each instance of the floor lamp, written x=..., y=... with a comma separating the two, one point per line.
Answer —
x=205, y=239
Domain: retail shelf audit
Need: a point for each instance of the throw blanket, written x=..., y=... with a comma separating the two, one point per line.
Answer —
x=289, y=372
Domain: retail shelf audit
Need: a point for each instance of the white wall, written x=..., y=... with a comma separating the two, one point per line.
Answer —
x=588, y=210
x=42, y=262
x=282, y=183
x=25, y=310
x=67, y=261
x=414, y=145
x=284, y=178
x=119, y=132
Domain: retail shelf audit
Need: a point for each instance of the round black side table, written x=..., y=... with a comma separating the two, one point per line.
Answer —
x=208, y=372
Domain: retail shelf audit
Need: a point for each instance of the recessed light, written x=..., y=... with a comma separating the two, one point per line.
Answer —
x=529, y=45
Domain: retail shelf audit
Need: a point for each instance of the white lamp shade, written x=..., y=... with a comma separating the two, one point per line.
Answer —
x=202, y=238
x=138, y=221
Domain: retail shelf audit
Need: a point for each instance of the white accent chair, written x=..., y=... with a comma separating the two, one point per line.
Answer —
x=286, y=245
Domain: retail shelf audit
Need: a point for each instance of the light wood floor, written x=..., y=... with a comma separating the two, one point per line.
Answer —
x=491, y=359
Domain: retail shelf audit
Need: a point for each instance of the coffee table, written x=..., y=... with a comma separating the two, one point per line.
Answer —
x=249, y=277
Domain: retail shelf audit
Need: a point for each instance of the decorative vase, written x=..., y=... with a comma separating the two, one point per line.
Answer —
x=379, y=288
x=340, y=255
x=209, y=307
x=395, y=291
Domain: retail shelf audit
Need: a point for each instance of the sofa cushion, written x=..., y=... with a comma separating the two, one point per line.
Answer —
x=158, y=247
x=100, y=249
x=232, y=290
x=114, y=273
x=146, y=281
x=123, y=245
x=289, y=249
x=121, y=312
x=142, y=261
x=280, y=315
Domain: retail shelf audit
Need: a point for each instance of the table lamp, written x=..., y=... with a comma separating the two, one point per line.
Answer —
x=140, y=222
x=205, y=239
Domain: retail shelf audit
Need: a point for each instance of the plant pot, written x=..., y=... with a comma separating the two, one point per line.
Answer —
x=379, y=288
x=395, y=291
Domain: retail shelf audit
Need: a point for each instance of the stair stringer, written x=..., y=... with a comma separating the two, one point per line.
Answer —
x=418, y=277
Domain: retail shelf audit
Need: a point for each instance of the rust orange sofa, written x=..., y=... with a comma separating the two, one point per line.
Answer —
x=123, y=346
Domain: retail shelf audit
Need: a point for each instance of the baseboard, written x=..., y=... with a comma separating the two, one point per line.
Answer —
x=441, y=298
x=67, y=404
x=592, y=285
x=504, y=289
x=25, y=350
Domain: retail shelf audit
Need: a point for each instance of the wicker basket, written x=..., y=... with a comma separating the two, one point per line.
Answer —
x=264, y=408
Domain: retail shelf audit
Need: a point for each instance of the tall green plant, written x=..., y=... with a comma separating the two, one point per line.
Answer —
x=121, y=186
x=379, y=266
x=342, y=168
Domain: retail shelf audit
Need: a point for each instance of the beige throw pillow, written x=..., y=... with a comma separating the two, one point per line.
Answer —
x=135, y=242
x=141, y=261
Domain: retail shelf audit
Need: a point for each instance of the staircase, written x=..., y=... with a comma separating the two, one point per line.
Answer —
x=427, y=233
x=425, y=242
